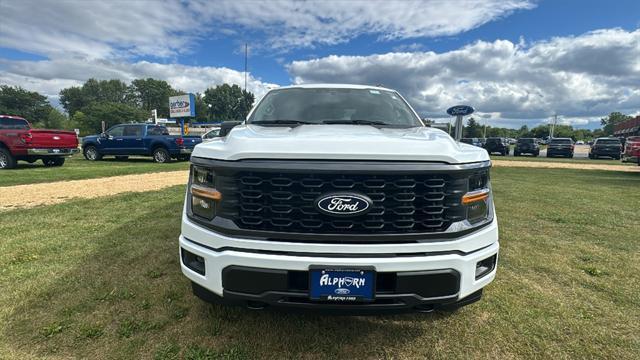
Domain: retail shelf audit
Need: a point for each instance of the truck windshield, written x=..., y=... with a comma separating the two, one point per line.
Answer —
x=334, y=106
x=13, y=124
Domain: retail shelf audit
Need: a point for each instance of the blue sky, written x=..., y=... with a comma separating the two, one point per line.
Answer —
x=516, y=61
x=548, y=19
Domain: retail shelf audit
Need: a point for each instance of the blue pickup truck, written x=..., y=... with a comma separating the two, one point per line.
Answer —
x=140, y=140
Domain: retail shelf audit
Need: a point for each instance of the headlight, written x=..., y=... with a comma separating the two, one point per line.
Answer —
x=478, y=199
x=204, y=196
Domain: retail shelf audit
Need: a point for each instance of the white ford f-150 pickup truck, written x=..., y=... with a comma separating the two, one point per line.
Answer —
x=338, y=198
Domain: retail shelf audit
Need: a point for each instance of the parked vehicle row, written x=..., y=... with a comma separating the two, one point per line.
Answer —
x=19, y=142
x=126, y=140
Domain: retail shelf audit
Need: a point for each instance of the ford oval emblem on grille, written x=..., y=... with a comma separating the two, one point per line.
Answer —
x=343, y=204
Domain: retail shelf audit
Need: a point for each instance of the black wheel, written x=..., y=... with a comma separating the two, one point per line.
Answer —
x=161, y=155
x=54, y=161
x=121, y=157
x=7, y=161
x=91, y=153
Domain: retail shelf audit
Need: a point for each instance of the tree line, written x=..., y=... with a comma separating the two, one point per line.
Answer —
x=473, y=129
x=114, y=101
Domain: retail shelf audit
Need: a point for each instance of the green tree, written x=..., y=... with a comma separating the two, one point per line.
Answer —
x=29, y=104
x=110, y=112
x=152, y=94
x=115, y=91
x=202, y=109
x=228, y=102
x=55, y=120
x=611, y=120
x=473, y=129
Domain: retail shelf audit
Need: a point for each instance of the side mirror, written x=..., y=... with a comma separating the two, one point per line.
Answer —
x=226, y=127
x=104, y=135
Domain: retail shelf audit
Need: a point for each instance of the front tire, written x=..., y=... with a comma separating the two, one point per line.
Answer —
x=56, y=161
x=161, y=155
x=7, y=161
x=92, y=154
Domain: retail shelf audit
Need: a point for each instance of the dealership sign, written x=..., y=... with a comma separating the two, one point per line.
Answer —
x=182, y=106
x=463, y=110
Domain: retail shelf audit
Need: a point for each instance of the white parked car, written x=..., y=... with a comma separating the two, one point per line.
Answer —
x=211, y=134
x=337, y=197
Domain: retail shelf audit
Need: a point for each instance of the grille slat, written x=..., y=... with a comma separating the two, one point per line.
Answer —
x=285, y=202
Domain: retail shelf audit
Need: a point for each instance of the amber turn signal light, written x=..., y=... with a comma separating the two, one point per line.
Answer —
x=206, y=192
x=474, y=196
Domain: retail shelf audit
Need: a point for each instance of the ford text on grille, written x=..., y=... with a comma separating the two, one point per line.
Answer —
x=338, y=204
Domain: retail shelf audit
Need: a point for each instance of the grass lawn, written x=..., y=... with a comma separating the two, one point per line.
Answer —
x=80, y=280
x=76, y=168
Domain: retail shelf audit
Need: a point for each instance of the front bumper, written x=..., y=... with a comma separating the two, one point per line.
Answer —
x=52, y=151
x=609, y=153
x=562, y=152
x=220, y=253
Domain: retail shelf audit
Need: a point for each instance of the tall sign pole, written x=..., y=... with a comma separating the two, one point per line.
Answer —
x=459, y=111
x=246, y=55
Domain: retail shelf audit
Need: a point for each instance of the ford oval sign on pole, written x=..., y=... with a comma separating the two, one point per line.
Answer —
x=459, y=111
x=182, y=106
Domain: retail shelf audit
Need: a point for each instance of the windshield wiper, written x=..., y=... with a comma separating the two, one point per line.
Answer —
x=280, y=122
x=357, y=122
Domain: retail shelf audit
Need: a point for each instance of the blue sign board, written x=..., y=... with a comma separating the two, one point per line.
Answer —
x=462, y=110
x=182, y=106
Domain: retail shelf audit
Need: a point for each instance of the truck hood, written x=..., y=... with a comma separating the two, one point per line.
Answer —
x=340, y=142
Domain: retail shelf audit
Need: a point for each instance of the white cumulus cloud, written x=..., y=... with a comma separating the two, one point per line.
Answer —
x=580, y=77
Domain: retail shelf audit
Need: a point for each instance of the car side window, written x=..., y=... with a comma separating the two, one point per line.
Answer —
x=115, y=131
x=132, y=130
x=13, y=124
x=157, y=130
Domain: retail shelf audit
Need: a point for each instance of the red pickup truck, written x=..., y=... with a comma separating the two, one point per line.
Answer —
x=632, y=150
x=18, y=141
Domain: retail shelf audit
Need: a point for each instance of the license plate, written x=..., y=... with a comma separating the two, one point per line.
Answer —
x=341, y=284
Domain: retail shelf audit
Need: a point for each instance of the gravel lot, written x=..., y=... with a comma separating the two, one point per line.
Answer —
x=25, y=196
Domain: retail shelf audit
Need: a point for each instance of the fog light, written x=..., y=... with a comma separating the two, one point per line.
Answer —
x=485, y=266
x=193, y=261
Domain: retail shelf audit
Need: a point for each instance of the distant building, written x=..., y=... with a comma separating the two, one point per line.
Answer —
x=627, y=128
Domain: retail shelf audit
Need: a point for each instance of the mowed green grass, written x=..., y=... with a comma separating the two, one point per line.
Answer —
x=101, y=279
x=77, y=168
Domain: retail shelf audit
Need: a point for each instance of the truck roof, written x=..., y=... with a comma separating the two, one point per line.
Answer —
x=12, y=117
x=332, y=86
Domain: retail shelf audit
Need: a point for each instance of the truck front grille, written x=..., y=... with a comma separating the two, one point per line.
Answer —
x=285, y=202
